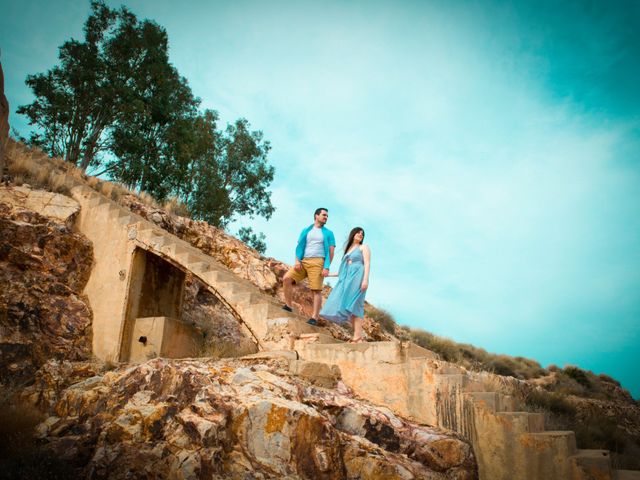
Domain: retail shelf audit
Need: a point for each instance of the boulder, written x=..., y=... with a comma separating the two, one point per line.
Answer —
x=48, y=204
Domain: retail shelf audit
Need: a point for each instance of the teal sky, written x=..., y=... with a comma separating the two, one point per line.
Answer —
x=491, y=150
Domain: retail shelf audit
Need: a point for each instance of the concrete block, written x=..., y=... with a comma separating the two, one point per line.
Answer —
x=626, y=475
x=522, y=422
x=416, y=351
x=199, y=267
x=163, y=337
x=592, y=465
x=216, y=276
x=285, y=354
x=484, y=400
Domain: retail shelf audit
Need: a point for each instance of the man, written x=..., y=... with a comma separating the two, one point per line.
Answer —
x=314, y=254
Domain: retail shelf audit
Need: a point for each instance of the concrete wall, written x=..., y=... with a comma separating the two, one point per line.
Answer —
x=163, y=337
x=108, y=285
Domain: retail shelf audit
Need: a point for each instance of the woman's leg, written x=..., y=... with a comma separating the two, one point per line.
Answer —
x=357, y=327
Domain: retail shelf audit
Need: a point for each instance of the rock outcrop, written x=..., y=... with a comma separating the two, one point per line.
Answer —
x=48, y=204
x=232, y=419
x=43, y=270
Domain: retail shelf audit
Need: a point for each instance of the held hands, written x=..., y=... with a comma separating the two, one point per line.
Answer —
x=365, y=285
x=325, y=272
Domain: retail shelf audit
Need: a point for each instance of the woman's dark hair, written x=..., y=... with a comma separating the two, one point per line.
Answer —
x=351, y=235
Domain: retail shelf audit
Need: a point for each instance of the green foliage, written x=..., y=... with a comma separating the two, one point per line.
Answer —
x=256, y=241
x=116, y=103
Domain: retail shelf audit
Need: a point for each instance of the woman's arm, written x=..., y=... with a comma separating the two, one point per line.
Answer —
x=366, y=255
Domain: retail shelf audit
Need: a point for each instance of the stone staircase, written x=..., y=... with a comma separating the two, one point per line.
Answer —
x=509, y=444
x=115, y=232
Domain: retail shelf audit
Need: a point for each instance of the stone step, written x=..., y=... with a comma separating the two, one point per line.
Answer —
x=243, y=297
x=307, y=338
x=560, y=441
x=460, y=381
x=128, y=219
x=97, y=201
x=199, y=267
x=157, y=241
x=187, y=257
x=626, y=475
x=492, y=401
x=592, y=465
x=416, y=351
x=382, y=352
x=216, y=276
x=522, y=422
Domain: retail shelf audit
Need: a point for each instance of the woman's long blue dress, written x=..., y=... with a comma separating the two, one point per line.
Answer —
x=346, y=298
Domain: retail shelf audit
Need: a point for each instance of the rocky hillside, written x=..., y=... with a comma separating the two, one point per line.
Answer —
x=65, y=416
x=596, y=407
x=601, y=412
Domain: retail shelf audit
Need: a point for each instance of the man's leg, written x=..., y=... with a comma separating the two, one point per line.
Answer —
x=317, y=303
x=287, y=286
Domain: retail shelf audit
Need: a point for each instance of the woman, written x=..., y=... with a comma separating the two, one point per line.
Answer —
x=346, y=301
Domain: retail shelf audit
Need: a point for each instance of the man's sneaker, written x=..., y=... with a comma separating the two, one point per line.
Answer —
x=287, y=308
x=312, y=321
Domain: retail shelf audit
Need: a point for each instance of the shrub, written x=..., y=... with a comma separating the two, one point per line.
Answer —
x=553, y=402
x=384, y=318
x=578, y=375
x=608, y=379
x=176, y=207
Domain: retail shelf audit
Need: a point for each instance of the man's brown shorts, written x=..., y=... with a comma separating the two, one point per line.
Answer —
x=311, y=269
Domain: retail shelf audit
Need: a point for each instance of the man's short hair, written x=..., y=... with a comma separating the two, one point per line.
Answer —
x=318, y=210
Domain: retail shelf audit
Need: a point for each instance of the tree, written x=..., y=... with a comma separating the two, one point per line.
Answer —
x=77, y=101
x=232, y=178
x=256, y=241
x=116, y=103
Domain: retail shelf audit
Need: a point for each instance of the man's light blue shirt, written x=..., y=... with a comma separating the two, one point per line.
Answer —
x=329, y=241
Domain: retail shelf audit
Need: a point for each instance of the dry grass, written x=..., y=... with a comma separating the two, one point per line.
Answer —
x=23, y=168
x=174, y=206
x=33, y=167
x=148, y=200
x=384, y=318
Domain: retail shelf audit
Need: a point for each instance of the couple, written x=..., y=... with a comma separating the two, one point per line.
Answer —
x=314, y=254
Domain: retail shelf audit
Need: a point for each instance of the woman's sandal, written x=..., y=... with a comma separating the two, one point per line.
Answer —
x=358, y=340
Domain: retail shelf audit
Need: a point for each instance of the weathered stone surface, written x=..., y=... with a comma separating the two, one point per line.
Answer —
x=232, y=419
x=48, y=204
x=43, y=269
